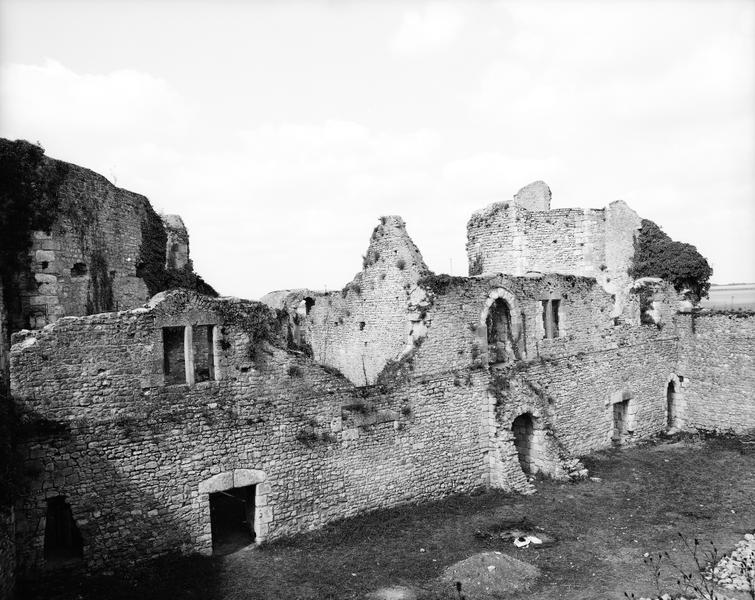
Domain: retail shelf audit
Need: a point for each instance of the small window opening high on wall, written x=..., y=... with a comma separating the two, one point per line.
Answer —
x=550, y=318
x=204, y=358
x=62, y=537
x=174, y=356
x=232, y=519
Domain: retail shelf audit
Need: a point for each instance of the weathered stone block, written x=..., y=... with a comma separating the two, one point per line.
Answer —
x=217, y=483
x=244, y=477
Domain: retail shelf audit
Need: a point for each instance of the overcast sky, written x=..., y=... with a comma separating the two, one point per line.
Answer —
x=282, y=131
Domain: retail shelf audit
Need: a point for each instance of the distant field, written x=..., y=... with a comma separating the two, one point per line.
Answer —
x=741, y=295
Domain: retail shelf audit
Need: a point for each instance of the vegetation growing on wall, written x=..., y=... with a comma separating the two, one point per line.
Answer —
x=151, y=263
x=657, y=255
x=439, y=284
x=151, y=266
x=475, y=267
x=100, y=292
x=187, y=278
x=28, y=201
x=259, y=322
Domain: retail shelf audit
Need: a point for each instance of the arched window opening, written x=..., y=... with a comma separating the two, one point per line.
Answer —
x=308, y=304
x=498, y=323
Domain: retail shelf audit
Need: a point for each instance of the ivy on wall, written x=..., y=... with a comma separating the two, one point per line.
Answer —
x=657, y=255
x=28, y=201
x=151, y=265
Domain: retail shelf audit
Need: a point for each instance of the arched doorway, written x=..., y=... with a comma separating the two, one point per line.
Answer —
x=498, y=324
x=523, y=428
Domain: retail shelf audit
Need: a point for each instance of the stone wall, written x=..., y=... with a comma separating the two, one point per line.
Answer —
x=7, y=553
x=571, y=381
x=87, y=262
x=137, y=459
x=98, y=254
x=7, y=525
x=509, y=238
x=457, y=309
x=717, y=368
x=523, y=235
x=4, y=342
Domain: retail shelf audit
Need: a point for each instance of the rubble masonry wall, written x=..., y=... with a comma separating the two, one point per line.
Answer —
x=717, y=361
x=99, y=227
x=131, y=455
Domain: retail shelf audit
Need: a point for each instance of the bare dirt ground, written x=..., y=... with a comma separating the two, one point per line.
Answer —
x=598, y=532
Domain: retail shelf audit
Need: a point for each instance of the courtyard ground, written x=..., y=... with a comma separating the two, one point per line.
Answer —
x=600, y=529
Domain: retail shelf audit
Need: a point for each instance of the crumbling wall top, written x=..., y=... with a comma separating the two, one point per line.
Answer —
x=177, y=246
x=535, y=196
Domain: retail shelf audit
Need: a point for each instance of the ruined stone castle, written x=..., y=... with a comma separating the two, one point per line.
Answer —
x=148, y=424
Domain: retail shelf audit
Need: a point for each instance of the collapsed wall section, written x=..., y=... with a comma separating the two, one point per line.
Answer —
x=717, y=361
x=136, y=458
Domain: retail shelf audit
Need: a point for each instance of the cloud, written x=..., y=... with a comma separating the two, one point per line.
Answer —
x=432, y=27
x=492, y=176
x=55, y=105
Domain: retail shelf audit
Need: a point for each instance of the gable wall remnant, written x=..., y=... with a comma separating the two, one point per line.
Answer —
x=357, y=330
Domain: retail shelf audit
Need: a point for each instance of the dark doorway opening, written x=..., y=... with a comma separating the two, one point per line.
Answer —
x=620, y=410
x=523, y=428
x=498, y=323
x=63, y=542
x=232, y=519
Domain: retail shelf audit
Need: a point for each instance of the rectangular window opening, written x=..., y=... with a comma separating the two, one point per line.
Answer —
x=204, y=356
x=550, y=318
x=620, y=414
x=174, y=357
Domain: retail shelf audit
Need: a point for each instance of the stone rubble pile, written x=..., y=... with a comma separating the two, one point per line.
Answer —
x=737, y=571
x=575, y=469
